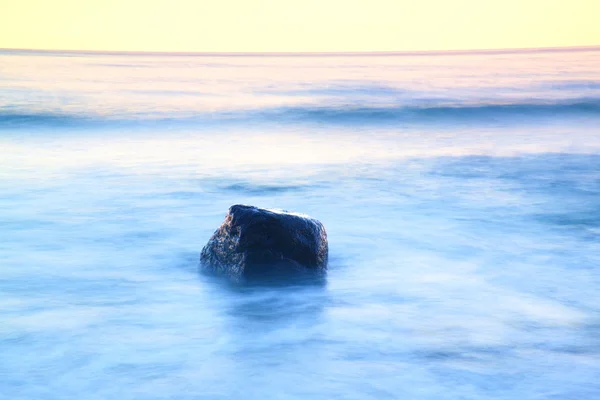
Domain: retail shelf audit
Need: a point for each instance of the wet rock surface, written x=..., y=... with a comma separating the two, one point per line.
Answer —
x=254, y=243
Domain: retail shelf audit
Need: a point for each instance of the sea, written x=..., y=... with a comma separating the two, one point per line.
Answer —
x=460, y=192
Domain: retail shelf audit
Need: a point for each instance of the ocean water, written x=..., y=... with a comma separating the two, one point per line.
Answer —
x=460, y=192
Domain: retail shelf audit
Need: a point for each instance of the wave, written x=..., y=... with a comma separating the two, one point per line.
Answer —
x=8, y=119
x=345, y=89
x=335, y=114
x=572, y=85
x=439, y=112
x=257, y=189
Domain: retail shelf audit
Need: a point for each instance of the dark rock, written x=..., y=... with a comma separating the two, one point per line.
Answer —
x=253, y=243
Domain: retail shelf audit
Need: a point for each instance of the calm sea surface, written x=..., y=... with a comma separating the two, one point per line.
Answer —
x=461, y=195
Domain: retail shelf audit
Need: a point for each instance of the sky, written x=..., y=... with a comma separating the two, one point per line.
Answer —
x=297, y=25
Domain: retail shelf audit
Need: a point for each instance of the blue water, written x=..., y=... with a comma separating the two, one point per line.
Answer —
x=461, y=195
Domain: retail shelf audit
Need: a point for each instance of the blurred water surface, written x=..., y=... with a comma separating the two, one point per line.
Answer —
x=461, y=194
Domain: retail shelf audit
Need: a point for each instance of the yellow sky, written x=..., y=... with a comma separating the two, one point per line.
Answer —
x=297, y=25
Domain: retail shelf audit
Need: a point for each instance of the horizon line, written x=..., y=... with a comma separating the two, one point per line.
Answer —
x=309, y=53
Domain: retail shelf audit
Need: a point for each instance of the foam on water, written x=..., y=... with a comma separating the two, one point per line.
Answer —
x=463, y=255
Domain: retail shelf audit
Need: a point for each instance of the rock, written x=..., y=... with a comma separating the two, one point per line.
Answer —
x=253, y=243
